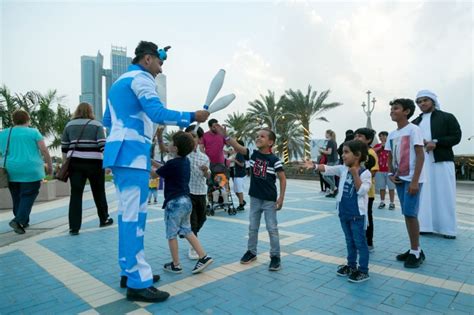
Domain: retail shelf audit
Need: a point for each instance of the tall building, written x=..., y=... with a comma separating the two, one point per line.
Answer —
x=92, y=73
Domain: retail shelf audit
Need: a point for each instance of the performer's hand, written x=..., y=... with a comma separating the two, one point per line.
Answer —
x=413, y=188
x=201, y=115
x=279, y=203
x=430, y=146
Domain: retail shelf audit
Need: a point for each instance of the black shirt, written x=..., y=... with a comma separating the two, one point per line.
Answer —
x=239, y=170
x=176, y=173
x=332, y=158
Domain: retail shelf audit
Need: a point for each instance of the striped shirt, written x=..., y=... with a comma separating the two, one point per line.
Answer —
x=91, y=144
x=197, y=182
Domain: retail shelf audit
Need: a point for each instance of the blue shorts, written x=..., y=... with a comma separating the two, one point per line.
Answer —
x=409, y=203
x=177, y=217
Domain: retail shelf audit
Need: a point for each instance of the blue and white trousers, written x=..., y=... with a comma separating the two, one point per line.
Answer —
x=132, y=192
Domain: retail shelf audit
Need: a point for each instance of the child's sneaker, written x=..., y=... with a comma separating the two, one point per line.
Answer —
x=170, y=267
x=192, y=254
x=382, y=205
x=149, y=202
x=344, y=270
x=358, y=276
x=275, y=263
x=202, y=264
x=391, y=206
x=248, y=257
x=155, y=202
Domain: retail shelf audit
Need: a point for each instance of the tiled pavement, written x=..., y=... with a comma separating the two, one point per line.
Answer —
x=48, y=271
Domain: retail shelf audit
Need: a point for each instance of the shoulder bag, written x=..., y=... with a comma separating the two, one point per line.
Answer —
x=3, y=170
x=63, y=173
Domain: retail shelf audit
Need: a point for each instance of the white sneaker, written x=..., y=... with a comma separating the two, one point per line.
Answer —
x=192, y=254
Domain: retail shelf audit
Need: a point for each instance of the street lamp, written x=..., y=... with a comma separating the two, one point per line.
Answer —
x=369, y=110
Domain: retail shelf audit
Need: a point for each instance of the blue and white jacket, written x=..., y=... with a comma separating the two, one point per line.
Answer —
x=132, y=107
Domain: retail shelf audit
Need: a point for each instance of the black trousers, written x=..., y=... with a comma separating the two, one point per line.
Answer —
x=81, y=170
x=370, y=229
x=198, y=215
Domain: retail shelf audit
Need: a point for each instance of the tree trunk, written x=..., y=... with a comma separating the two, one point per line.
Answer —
x=307, y=140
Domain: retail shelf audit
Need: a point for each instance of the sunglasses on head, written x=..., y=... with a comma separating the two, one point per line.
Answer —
x=160, y=53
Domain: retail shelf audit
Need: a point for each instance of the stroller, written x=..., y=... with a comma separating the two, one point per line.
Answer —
x=219, y=194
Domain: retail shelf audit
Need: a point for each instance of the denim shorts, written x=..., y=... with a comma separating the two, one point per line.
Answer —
x=177, y=217
x=409, y=203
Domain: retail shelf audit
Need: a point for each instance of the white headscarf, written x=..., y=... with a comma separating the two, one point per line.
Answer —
x=428, y=93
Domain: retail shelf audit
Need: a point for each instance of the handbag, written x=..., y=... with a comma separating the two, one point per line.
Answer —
x=3, y=170
x=63, y=173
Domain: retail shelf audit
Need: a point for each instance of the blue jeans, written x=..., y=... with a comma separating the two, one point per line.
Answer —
x=257, y=207
x=178, y=217
x=23, y=196
x=353, y=227
x=331, y=180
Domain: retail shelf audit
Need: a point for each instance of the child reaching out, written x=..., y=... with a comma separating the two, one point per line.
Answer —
x=352, y=200
x=177, y=205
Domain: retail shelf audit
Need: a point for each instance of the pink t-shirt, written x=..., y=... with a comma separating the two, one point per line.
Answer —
x=214, y=146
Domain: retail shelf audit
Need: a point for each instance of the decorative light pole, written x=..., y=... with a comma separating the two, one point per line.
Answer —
x=369, y=110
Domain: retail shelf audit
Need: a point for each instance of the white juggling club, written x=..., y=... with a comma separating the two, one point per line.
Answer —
x=221, y=103
x=215, y=87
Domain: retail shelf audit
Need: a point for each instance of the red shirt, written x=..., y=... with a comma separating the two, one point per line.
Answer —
x=214, y=146
x=382, y=154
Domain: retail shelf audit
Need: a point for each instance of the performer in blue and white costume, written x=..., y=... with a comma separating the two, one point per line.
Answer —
x=132, y=107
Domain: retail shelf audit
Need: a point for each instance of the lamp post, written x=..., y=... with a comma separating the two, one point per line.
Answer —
x=369, y=110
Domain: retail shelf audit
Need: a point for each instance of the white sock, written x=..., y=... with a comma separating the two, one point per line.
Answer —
x=415, y=252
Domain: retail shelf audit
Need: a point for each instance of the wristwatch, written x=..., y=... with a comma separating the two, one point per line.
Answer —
x=434, y=141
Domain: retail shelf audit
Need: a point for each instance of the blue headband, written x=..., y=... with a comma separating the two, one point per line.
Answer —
x=161, y=53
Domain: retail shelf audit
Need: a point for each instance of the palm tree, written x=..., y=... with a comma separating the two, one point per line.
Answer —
x=240, y=127
x=265, y=110
x=61, y=118
x=8, y=104
x=307, y=108
x=290, y=139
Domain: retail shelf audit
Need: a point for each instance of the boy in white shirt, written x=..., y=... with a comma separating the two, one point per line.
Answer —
x=406, y=157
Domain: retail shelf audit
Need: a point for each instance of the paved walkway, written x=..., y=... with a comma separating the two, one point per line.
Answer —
x=48, y=271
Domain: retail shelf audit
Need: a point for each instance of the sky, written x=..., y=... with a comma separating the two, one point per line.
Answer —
x=391, y=48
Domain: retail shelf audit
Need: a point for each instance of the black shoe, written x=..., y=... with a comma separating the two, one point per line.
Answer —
x=202, y=264
x=107, y=222
x=426, y=233
x=170, y=267
x=243, y=205
x=150, y=294
x=413, y=262
x=74, y=232
x=16, y=227
x=248, y=257
x=123, y=280
x=358, y=276
x=275, y=263
x=382, y=205
x=404, y=256
x=332, y=195
x=345, y=270
x=240, y=208
x=26, y=225
x=450, y=237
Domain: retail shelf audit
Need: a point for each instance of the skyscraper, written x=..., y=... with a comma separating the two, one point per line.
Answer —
x=91, y=82
x=92, y=71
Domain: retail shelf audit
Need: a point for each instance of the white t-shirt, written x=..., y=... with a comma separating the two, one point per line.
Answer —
x=401, y=143
x=425, y=126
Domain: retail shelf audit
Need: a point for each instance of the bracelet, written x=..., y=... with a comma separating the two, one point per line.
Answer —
x=316, y=166
x=227, y=138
